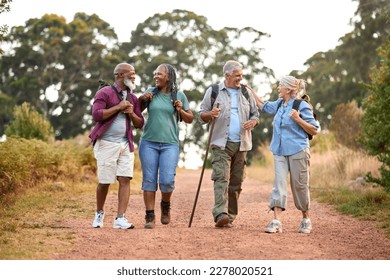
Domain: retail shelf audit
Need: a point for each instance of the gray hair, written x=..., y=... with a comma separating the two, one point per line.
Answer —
x=296, y=85
x=230, y=66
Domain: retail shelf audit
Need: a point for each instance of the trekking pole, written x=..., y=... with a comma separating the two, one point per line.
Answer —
x=204, y=165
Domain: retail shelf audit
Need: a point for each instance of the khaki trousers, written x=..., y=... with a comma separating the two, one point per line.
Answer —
x=298, y=165
x=228, y=175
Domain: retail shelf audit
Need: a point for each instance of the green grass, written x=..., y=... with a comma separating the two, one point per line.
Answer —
x=365, y=204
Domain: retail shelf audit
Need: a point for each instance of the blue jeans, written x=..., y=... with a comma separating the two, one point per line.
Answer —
x=159, y=162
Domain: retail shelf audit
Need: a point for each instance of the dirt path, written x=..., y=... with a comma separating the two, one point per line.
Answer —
x=334, y=236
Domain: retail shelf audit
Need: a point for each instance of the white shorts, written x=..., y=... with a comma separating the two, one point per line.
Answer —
x=113, y=160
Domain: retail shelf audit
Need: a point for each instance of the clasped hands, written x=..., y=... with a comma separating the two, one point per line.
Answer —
x=126, y=107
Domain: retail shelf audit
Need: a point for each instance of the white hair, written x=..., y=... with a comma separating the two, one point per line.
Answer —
x=297, y=86
x=231, y=65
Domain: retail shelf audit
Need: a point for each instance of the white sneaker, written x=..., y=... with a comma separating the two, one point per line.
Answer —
x=122, y=223
x=305, y=226
x=98, y=221
x=273, y=227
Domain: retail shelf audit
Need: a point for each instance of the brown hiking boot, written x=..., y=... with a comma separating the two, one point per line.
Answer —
x=165, y=212
x=149, y=219
x=222, y=220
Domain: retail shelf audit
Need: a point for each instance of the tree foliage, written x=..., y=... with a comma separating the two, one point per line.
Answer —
x=29, y=124
x=376, y=120
x=198, y=52
x=334, y=76
x=346, y=124
x=55, y=66
x=4, y=7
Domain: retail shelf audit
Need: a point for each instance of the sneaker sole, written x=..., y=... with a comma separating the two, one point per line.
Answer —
x=279, y=230
x=120, y=227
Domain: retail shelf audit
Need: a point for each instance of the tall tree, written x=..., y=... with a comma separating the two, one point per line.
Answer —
x=55, y=66
x=334, y=76
x=198, y=52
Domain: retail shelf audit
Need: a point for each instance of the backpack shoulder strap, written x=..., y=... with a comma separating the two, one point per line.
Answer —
x=296, y=104
x=214, y=93
x=279, y=104
x=245, y=92
x=173, y=99
x=117, y=92
x=155, y=91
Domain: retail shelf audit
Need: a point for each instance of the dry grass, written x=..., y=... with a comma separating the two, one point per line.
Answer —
x=332, y=165
x=36, y=203
x=26, y=231
x=262, y=168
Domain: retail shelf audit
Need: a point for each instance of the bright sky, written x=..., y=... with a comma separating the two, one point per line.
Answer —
x=298, y=28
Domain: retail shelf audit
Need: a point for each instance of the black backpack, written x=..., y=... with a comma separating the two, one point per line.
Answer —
x=215, y=92
x=296, y=104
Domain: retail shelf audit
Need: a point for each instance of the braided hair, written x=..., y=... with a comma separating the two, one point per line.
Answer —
x=172, y=85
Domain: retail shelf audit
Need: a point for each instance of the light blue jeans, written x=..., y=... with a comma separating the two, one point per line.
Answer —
x=159, y=162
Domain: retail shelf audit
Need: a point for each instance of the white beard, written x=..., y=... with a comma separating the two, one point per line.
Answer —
x=129, y=84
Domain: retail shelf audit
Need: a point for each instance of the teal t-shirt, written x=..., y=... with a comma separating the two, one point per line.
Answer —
x=161, y=125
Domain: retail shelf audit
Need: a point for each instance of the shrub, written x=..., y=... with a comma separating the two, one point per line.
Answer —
x=346, y=124
x=25, y=163
x=376, y=121
x=29, y=124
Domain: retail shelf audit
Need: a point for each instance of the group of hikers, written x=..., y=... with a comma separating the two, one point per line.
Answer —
x=234, y=108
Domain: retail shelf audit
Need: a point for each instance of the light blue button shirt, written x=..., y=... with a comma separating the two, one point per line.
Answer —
x=288, y=137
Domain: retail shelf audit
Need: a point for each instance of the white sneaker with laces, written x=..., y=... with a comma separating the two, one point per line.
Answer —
x=122, y=223
x=274, y=226
x=305, y=226
x=98, y=221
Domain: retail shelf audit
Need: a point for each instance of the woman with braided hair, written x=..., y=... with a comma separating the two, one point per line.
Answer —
x=159, y=146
